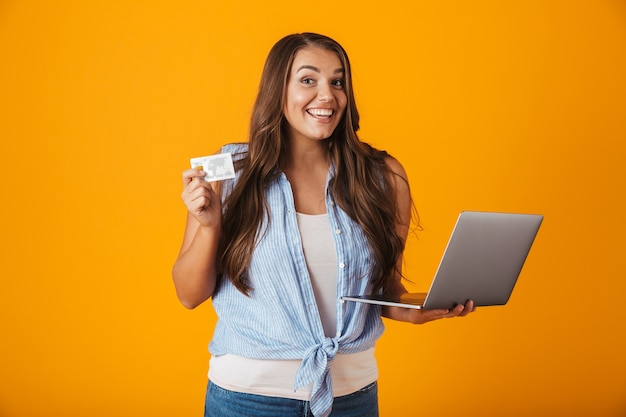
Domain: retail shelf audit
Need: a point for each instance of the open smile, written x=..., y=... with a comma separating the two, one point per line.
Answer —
x=321, y=113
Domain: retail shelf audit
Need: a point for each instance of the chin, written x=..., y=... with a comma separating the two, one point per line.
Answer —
x=323, y=135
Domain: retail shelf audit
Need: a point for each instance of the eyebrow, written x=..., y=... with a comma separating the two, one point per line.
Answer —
x=311, y=67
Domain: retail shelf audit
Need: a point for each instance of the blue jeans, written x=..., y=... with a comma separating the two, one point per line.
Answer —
x=224, y=403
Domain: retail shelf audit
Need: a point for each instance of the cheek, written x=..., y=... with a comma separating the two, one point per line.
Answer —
x=291, y=106
x=298, y=100
x=343, y=102
x=296, y=97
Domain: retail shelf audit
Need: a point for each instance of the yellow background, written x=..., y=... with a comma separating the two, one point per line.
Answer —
x=490, y=105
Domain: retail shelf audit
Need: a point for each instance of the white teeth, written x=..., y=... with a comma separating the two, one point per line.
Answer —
x=320, y=112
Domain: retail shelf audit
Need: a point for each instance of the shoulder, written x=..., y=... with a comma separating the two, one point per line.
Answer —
x=395, y=167
x=399, y=181
x=237, y=149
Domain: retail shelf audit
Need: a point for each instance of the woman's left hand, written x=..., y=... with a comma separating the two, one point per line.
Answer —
x=424, y=316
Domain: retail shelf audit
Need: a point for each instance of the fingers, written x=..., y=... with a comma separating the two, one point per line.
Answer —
x=462, y=310
x=468, y=308
x=425, y=316
x=197, y=192
x=193, y=180
x=199, y=197
x=190, y=174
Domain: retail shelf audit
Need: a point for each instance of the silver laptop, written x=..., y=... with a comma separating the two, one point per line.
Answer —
x=482, y=261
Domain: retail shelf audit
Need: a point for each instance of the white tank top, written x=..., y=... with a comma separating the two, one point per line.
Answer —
x=321, y=260
x=349, y=372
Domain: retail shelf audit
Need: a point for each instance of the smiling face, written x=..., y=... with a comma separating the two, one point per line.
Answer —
x=315, y=100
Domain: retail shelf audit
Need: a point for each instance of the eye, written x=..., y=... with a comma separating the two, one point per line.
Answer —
x=338, y=83
x=307, y=81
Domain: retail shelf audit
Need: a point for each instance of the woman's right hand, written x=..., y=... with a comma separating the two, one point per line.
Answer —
x=201, y=199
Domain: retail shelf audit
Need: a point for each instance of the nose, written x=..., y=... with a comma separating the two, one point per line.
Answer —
x=324, y=93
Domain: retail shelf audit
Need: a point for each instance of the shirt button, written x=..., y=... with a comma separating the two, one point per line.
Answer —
x=342, y=265
x=337, y=232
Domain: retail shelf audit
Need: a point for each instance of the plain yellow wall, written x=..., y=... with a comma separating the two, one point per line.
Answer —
x=490, y=105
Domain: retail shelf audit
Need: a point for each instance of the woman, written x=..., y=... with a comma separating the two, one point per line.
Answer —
x=313, y=214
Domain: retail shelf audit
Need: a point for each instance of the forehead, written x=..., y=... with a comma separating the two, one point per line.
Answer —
x=317, y=57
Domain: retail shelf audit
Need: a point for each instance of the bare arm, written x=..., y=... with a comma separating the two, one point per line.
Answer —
x=403, y=196
x=195, y=269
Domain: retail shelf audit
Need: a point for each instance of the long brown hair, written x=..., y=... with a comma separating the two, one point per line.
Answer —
x=362, y=186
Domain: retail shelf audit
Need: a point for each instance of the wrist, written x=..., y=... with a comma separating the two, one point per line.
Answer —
x=210, y=228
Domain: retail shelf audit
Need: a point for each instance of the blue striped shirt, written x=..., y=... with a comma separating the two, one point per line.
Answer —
x=280, y=319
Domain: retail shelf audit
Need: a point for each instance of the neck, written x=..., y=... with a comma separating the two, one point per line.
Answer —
x=308, y=156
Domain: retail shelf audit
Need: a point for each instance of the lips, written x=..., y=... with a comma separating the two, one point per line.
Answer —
x=321, y=113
